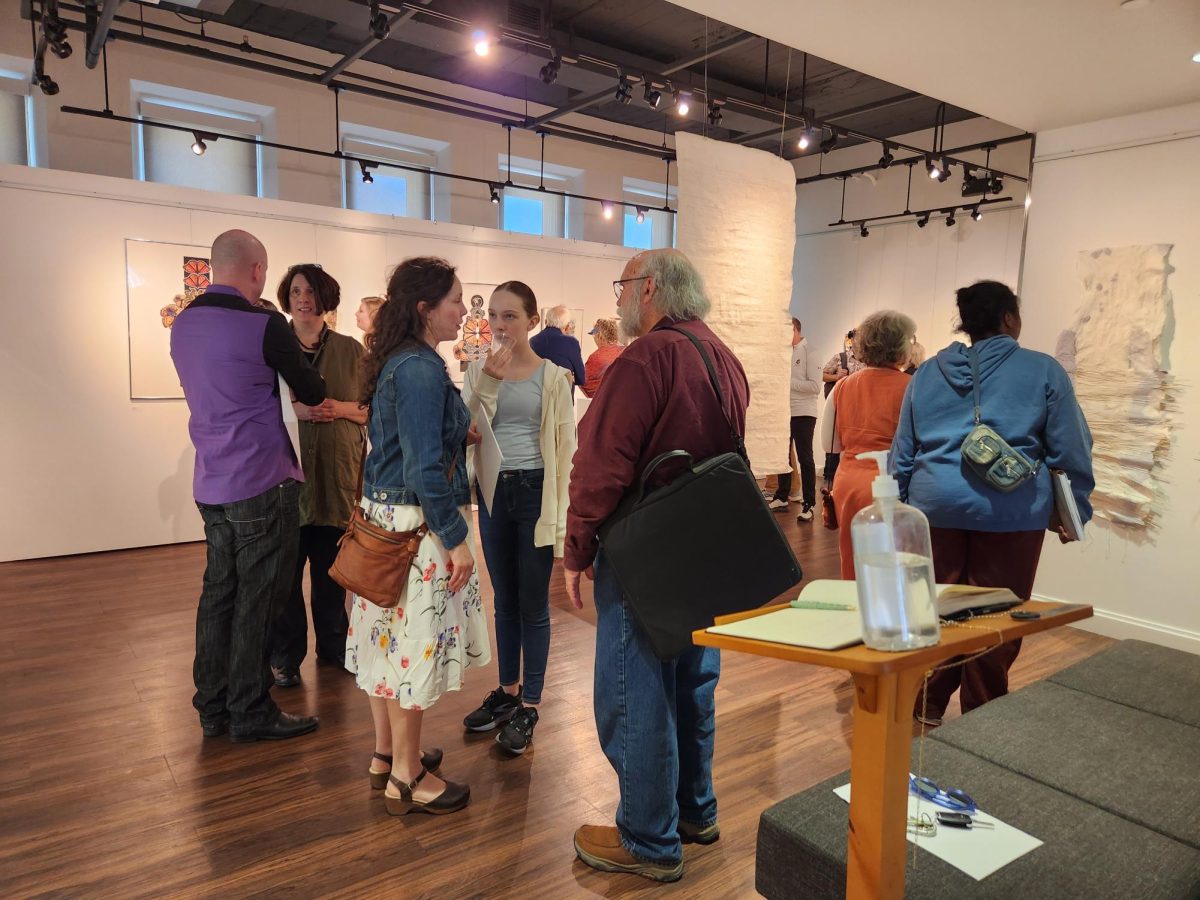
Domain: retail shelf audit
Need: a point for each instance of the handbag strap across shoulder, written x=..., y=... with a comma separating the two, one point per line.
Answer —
x=739, y=445
x=973, y=356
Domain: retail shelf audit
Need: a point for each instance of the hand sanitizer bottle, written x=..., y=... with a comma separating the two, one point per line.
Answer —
x=893, y=567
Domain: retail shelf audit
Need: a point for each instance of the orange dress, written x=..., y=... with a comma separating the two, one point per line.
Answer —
x=868, y=410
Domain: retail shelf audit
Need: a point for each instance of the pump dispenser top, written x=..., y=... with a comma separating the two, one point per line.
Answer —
x=884, y=486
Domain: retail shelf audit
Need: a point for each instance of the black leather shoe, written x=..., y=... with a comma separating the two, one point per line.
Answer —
x=215, y=727
x=285, y=726
x=285, y=676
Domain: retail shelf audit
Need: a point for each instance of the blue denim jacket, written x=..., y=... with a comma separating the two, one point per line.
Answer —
x=418, y=427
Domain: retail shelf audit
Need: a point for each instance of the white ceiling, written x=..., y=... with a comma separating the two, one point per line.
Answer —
x=1035, y=64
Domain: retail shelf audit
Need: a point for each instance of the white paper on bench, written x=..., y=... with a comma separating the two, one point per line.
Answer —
x=976, y=851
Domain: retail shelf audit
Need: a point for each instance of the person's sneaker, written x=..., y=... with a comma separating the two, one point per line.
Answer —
x=518, y=732
x=795, y=498
x=690, y=833
x=777, y=504
x=600, y=847
x=805, y=514
x=498, y=706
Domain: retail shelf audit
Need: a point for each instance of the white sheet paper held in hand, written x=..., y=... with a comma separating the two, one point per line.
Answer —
x=290, y=422
x=976, y=851
x=488, y=461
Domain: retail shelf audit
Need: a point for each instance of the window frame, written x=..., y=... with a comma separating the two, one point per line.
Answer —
x=364, y=141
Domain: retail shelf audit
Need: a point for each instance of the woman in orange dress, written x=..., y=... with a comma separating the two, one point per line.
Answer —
x=861, y=415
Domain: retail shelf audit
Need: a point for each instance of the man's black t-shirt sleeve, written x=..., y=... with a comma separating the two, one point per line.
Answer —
x=282, y=352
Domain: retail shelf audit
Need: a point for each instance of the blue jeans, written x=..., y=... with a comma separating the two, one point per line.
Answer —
x=520, y=574
x=656, y=722
x=252, y=546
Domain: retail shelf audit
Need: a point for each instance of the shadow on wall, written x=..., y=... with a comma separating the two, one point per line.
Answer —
x=177, y=485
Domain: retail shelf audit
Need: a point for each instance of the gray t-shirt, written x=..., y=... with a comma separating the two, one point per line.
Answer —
x=518, y=422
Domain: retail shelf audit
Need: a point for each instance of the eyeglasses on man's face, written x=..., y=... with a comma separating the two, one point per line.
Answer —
x=619, y=284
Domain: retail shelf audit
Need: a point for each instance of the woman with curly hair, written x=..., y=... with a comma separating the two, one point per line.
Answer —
x=861, y=415
x=406, y=657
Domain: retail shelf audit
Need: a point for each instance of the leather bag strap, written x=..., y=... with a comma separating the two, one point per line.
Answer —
x=739, y=445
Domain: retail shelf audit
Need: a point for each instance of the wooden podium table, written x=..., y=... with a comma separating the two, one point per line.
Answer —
x=885, y=689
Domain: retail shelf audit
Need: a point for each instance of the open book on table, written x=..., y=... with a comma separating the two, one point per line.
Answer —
x=953, y=600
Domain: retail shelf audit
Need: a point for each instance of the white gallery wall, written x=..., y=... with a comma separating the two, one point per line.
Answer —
x=98, y=471
x=1118, y=183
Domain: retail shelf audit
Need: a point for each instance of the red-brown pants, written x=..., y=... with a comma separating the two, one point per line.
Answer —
x=988, y=559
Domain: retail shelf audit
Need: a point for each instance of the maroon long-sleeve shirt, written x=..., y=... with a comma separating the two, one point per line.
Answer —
x=655, y=397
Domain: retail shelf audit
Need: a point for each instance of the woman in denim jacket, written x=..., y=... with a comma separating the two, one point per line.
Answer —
x=405, y=658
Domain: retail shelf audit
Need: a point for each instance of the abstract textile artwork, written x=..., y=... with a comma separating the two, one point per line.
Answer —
x=1116, y=352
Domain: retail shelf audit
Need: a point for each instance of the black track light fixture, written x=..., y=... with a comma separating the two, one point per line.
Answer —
x=922, y=220
x=493, y=193
x=830, y=142
x=714, y=113
x=944, y=171
x=56, y=36
x=549, y=72
x=641, y=215
x=862, y=229
x=976, y=214
x=887, y=159
x=950, y=219
x=378, y=22
x=198, y=145
x=682, y=102
x=624, y=91
x=366, y=167
x=652, y=95
x=931, y=167
x=48, y=85
x=806, y=139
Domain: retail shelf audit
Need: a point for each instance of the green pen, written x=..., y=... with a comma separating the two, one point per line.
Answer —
x=817, y=604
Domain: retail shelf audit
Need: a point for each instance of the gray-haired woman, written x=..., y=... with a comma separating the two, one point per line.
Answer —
x=862, y=413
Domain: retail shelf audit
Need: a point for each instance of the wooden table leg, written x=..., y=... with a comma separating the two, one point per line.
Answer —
x=879, y=767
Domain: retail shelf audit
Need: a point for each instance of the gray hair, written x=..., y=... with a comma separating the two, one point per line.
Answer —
x=884, y=339
x=557, y=317
x=679, y=289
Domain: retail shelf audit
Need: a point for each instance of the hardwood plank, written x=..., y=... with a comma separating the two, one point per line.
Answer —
x=111, y=791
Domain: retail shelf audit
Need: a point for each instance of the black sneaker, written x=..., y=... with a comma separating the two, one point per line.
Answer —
x=519, y=732
x=498, y=706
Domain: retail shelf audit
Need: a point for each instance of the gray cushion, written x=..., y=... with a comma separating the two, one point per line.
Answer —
x=1128, y=762
x=1087, y=852
x=1156, y=679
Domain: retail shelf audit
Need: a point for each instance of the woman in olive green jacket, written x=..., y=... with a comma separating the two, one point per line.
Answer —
x=331, y=445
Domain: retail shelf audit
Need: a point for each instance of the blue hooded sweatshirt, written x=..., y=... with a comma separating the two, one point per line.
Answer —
x=1028, y=399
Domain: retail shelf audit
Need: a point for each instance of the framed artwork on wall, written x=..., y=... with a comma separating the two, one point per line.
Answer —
x=474, y=336
x=161, y=280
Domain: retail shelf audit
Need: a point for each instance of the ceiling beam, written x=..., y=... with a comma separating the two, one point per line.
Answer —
x=366, y=46
x=835, y=117
x=678, y=66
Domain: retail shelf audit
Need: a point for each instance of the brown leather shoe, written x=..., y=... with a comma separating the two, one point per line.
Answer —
x=600, y=847
x=452, y=799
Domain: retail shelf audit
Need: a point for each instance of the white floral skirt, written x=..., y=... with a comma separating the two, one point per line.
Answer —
x=417, y=651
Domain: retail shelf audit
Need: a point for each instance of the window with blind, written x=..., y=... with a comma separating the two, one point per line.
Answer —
x=16, y=113
x=166, y=156
x=657, y=228
x=391, y=191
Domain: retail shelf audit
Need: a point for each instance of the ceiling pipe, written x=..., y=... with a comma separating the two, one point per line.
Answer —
x=592, y=99
x=100, y=35
x=814, y=121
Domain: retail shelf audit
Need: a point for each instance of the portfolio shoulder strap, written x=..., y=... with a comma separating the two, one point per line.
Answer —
x=738, y=444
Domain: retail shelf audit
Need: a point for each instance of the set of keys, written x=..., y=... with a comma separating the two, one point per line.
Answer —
x=927, y=827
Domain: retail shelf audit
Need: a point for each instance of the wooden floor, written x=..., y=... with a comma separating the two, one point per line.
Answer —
x=110, y=791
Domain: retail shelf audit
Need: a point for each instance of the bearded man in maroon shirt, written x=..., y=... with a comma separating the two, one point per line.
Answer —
x=655, y=718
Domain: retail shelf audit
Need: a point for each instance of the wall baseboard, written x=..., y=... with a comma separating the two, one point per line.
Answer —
x=1120, y=626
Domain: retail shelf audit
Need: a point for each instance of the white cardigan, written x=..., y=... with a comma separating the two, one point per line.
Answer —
x=556, y=440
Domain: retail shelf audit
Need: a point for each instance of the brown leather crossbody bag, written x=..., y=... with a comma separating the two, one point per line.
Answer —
x=373, y=562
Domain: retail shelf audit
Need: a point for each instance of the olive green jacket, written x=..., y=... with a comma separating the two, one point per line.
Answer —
x=330, y=451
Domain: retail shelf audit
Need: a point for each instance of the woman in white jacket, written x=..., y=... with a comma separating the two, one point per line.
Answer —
x=527, y=401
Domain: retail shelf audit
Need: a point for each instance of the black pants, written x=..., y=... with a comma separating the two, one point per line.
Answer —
x=289, y=638
x=802, y=436
x=251, y=555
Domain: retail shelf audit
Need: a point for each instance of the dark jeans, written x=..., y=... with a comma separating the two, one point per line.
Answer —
x=520, y=574
x=289, y=637
x=251, y=555
x=988, y=559
x=656, y=720
x=802, y=436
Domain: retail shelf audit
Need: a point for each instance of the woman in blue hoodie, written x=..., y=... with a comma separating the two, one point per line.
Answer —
x=983, y=536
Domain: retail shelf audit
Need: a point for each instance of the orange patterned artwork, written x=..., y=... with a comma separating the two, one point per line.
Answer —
x=197, y=276
x=476, y=338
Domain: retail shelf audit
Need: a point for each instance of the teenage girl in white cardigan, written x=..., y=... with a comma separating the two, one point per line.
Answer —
x=527, y=400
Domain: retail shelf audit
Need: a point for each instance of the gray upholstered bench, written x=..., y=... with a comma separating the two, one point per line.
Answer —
x=1112, y=790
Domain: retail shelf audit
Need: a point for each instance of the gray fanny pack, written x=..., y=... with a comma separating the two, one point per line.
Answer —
x=989, y=455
